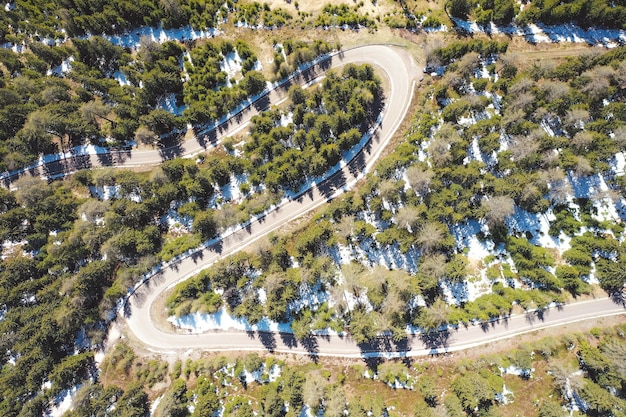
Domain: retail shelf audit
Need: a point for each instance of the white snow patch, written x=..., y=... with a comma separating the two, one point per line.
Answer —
x=538, y=32
x=160, y=35
x=618, y=165
x=65, y=67
x=231, y=65
x=62, y=403
x=169, y=103
x=222, y=320
x=286, y=119
x=155, y=405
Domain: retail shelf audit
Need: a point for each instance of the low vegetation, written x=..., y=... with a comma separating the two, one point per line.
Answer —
x=548, y=377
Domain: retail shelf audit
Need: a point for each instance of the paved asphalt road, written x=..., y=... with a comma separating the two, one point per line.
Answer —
x=401, y=73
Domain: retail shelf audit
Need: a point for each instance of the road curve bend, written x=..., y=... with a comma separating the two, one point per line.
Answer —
x=400, y=70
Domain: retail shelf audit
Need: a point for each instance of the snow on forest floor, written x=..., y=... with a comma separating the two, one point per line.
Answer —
x=158, y=34
x=223, y=320
x=539, y=33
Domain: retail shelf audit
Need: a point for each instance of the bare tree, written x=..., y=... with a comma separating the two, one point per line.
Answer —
x=619, y=137
x=510, y=58
x=432, y=44
x=335, y=405
x=522, y=147
x=452, y=79
x=345, y=228
x=554, y=89
x=468, y=64
x=352, y=273
x=433, y=317
x=439, y=152
x=582, y=140
x=93, y=210
x=274, y=282
x=95, y=109
x=583, y=167
x=522, y=85
x=620, y=74
x=172, y=7
x=512, y=116
x=313, y=389
x=338, y=296
x=393, y=304
x=576, y=118
x=615, y=350
x=408, y=217
x=148, y=48
x=447, y=133
x=550, y=159
x=419, y=179
x=226, y=216
x=31, y=191
x=430, y=236
x=433, y=266
x=599, y=82
x=145, y=135
x=561, y=191
x=498, y=208
x=523, y=101
x=563, y=374
x=552, y=176
x=390, y=190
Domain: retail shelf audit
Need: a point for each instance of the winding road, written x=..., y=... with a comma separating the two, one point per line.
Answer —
x=401, y=72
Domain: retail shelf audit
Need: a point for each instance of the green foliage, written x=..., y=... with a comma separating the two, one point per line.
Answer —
x=179, y=246
x=473, y=391
x=585, y=13
x=326, y=122
x=151, y=373
x=456, y=50
x=174, y=401
x=532, y=263
x=343, y=14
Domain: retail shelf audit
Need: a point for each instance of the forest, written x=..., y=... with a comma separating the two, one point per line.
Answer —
x=494, y=138
x=584, y=13
x=577, y=370
x=434, y=183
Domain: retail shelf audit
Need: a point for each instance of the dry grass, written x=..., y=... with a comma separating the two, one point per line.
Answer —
x=373, y=8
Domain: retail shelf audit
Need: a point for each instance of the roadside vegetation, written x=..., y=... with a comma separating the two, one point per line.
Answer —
x=549, y=377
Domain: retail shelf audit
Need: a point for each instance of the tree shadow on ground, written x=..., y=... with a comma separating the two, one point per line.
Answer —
x=311, y=345
x=105, y=159
x=436, y=341
x=288, y=339
x=618, y=297
x=268, y=340
x=171, y=152
x=332, y=184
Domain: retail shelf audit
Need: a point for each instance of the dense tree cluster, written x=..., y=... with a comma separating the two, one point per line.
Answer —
x=414, y=203
x=207, y=91
x=76, y=256
x=40, y=113
x=291, y=54
x=254, y=14
x=585, y=13
x=343, y=15
x=58, y=18
x=325, y=122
